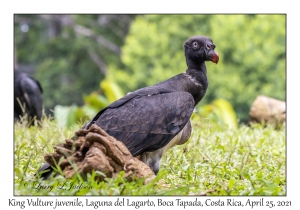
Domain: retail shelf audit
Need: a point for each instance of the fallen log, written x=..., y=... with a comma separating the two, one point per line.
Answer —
x=95, y=150
x=268, y=110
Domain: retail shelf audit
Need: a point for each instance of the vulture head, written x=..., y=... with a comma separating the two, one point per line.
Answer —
x=199, y=49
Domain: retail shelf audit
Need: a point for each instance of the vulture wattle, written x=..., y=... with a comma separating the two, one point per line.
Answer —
x=152, y=119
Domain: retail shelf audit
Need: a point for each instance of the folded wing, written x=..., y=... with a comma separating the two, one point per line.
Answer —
x=146, y=123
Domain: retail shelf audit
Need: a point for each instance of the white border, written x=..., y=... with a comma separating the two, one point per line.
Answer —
x=8, y=8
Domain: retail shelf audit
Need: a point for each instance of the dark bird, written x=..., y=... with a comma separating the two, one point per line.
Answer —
x=151, y=120
x=27, y=97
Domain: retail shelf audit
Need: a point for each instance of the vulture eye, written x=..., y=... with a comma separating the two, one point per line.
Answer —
x=207, y=46
x=195, y=44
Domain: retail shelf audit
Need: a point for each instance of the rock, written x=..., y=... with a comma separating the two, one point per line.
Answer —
x=268, y=110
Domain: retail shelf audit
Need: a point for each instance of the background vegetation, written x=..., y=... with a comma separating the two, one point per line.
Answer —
x=251, y=49
x=68, y=54
x=71, y=54
x=217, y=160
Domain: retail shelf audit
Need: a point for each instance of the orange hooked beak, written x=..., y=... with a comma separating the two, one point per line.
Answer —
x=214, y=57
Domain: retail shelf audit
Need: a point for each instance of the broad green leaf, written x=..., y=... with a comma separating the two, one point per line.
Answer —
x=60, y=115
x=95, y=100
x=226, y=112
x=71, y=118
x=231, y=184
x=111, y=90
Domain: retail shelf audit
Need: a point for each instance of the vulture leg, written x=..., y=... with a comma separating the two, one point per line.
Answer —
x=152, y=159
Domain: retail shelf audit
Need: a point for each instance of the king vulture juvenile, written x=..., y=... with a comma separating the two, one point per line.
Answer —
x=151, y=120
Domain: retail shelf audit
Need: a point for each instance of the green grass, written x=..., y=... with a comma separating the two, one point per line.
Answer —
x=215, y=161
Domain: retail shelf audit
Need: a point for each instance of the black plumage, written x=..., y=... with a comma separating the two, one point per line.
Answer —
x=27, y=97
x=152, y=119
x=149, y=122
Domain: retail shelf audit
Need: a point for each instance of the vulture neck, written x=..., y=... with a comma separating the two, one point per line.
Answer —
x=197, y=74
x=197, y=80
x=197, y=66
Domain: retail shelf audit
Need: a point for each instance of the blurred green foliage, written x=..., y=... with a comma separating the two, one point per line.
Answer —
x=68, y=53
x=68, y=116
x=220, y=111
x=72, y=54
x=251, y=49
